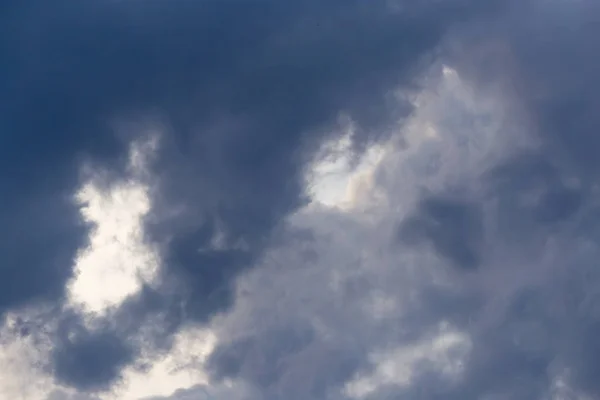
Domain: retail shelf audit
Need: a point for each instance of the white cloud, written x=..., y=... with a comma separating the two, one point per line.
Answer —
x=446, y=352
x=336, y=180
x=181, y=368
x=117, y=259
x=20, y=358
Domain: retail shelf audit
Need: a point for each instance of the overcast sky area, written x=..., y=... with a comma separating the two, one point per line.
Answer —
x=300, y=200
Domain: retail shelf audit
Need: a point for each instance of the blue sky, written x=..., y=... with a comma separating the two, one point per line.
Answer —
x=303, y=200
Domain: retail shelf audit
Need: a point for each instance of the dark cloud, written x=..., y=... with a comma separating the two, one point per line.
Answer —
x=560, y=79
x=244, y=91
x=274, y=347
x=34, y=275
x=278, y=362
x=454, y=228
x=88, y=359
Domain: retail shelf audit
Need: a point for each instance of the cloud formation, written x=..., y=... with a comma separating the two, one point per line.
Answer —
x=465, y=269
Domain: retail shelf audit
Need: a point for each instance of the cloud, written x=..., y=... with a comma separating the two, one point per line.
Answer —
x=201, y=392
x=454, y=228
x=243, y=93
x=89, y=360
x=505, y=194
x=468, y=259
x=117, y=260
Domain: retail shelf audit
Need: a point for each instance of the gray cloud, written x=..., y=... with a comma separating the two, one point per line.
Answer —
x=88, y=360
x=453, y=227
x=523, y=226
x=245, y=94
x=203, y=392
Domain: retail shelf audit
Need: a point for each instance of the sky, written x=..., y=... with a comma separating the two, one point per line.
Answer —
x=300, y=200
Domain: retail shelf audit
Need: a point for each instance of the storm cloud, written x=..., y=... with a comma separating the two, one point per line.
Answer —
x=463, y=261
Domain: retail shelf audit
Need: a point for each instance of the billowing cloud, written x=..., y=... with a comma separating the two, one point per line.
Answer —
x=449, y=255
